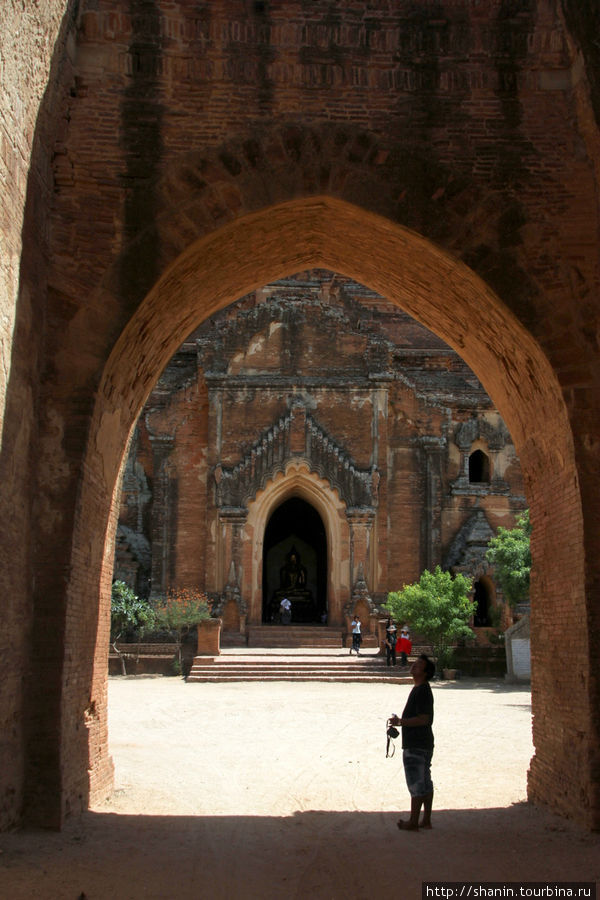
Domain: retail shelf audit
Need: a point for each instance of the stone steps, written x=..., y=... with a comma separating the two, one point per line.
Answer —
x=299, y=636
x=293, y=636
x=296, y=668
x=300, y=653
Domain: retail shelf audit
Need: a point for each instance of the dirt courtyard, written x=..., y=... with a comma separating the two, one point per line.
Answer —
x=283, y=790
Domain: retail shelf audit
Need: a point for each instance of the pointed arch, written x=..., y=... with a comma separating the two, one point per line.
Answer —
x=479, y=467
x=439, y=291
x=298, y=481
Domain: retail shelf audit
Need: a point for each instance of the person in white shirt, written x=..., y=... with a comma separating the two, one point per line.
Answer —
x=356, y=635
x=285, y=608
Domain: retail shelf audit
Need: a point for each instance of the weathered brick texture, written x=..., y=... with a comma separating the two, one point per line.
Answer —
x=185, y=154
x=320, y=371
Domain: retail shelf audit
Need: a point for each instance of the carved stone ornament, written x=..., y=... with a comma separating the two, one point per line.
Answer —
x=237, y=486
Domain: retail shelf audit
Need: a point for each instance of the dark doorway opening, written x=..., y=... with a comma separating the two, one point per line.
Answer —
x=295, y=563
x=482, y=598
x=479, y=468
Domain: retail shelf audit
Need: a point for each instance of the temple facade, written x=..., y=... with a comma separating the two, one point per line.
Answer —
x=315, y=443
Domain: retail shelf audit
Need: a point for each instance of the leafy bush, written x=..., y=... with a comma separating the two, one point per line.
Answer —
x=128, y=613
x=438, y=608
x=181, y=610
x=510, y=554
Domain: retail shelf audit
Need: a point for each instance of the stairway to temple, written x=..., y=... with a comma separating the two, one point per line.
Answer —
x=296, y=664
x=298, y=636
x=300, y=653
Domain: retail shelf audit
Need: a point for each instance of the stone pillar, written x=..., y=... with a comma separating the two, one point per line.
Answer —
x=162, y=445
x=232, y=521
x=380, y=533
x=361, y=601
x=232, y=592
x=361, y=524
x=433, y=448
x=209, y=637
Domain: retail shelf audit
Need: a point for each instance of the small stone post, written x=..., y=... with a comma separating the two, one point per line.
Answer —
x=209, y=637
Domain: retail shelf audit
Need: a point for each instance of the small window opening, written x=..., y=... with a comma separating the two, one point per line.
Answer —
x=479, y=467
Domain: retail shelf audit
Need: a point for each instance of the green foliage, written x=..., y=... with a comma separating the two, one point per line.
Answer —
x=438, y=608
x=128, y=611
x=182, y=609
x=176, y=666
x=510, y=555
x=445, y=659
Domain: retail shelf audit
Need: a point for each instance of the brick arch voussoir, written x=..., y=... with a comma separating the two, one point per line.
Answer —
x=403, y=266
x=209, y=188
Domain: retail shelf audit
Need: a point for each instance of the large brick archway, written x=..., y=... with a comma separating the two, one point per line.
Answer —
x=166, y=163
x=451, y=300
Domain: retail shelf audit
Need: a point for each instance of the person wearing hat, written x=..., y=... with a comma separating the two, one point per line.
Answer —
x=390, y=642
x=404, y=646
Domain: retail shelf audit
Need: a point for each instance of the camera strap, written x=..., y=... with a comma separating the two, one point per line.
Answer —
x=391, y=733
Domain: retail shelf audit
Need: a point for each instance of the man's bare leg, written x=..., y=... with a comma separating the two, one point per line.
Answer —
x=427, y=804
x=415, y=808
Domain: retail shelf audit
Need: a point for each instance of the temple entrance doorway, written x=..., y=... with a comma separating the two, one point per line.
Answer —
x=295, y=564
x=483, y=598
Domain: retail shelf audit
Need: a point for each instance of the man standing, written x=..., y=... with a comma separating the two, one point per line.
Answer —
x=417, y=744
x=356, y=635
x=390, y=642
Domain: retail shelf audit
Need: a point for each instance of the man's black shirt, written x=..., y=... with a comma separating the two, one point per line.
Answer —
x=420, y=700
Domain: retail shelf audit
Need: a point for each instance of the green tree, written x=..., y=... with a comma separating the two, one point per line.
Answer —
x=181, y=610
x=509, y=553
x=127, y=611
x=438, y=608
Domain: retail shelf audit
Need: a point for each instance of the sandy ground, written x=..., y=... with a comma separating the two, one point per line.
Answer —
x=281, y=790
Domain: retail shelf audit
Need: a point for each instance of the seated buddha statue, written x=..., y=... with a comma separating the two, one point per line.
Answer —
x=292, y=575
x=292, y=584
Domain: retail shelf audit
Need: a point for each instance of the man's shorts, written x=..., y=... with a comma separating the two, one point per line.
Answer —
x=417, y=769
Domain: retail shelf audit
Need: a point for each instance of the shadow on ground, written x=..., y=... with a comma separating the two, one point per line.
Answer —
x=319, y=854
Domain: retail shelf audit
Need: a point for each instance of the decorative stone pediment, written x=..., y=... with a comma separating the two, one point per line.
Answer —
x=231, y=592
x=468, y=549
x=479, y=429
x=296, y=436
x=296, y=315
x=360, y=592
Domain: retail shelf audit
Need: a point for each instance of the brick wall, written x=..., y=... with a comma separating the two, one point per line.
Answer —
x=199, y=152
x=26, y=136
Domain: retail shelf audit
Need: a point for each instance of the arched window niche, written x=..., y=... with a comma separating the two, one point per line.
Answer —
x=479, y=468
x=485, y=451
